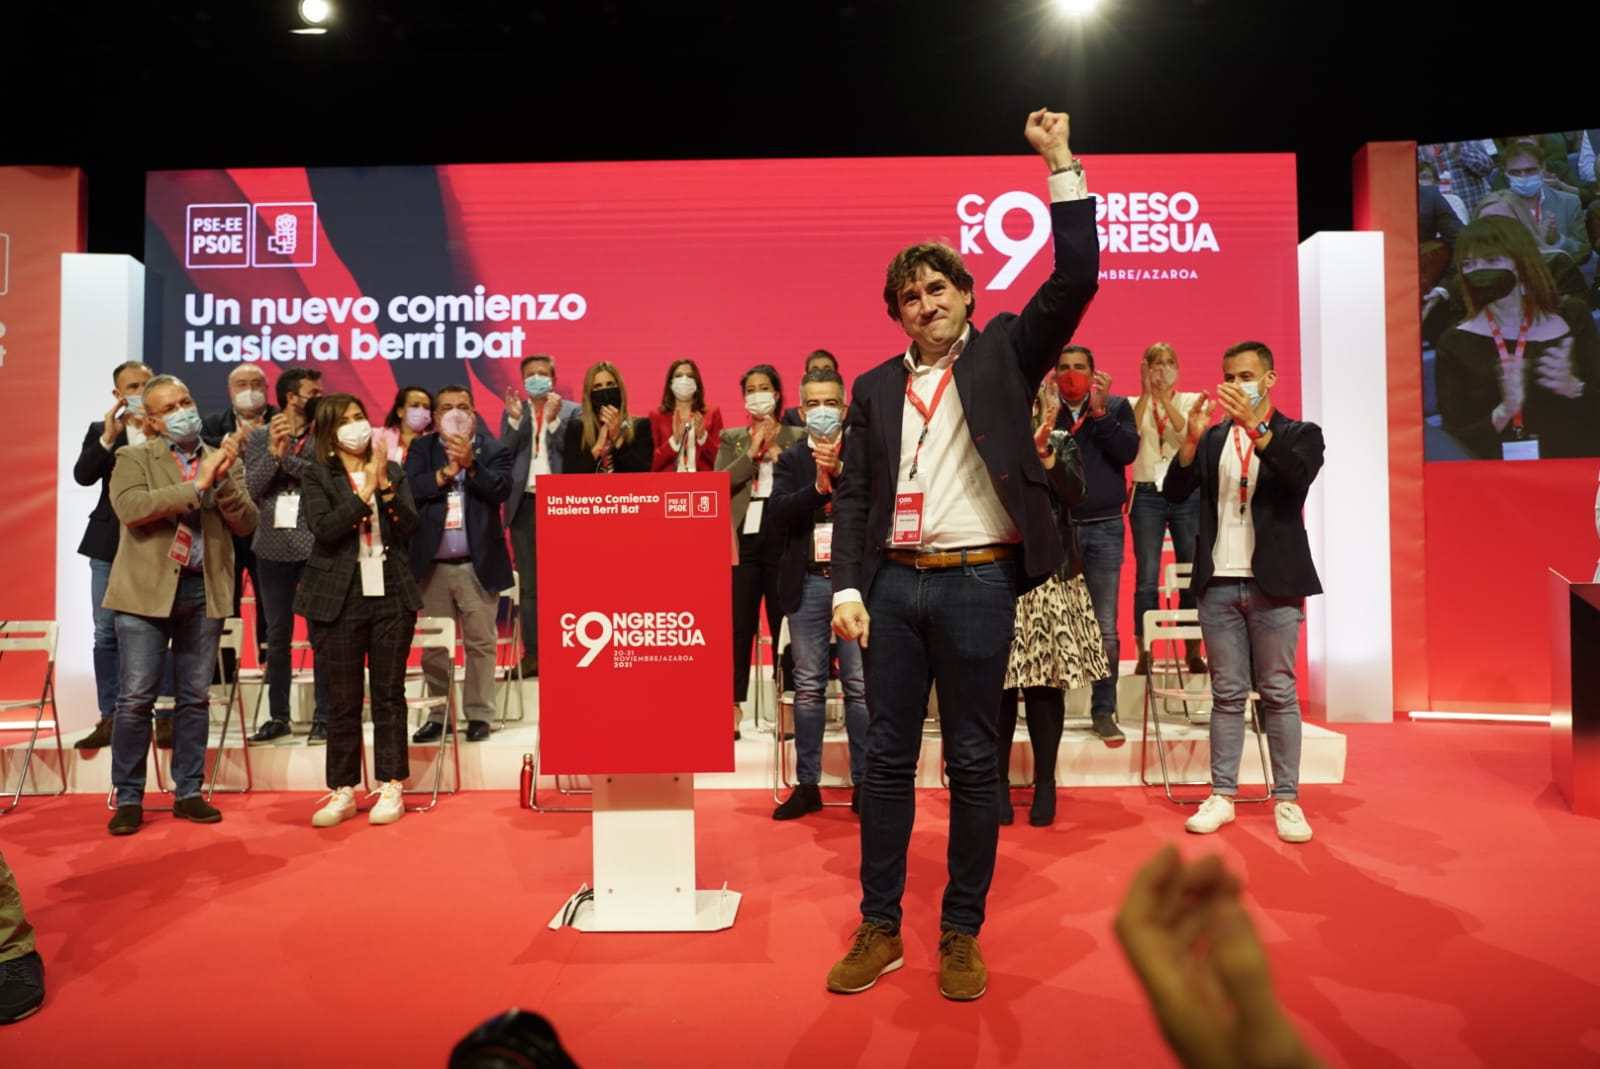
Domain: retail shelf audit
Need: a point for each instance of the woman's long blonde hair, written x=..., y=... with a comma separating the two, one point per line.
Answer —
x=591, y=418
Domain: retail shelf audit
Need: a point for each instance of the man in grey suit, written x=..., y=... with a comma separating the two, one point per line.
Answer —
x=533, y=432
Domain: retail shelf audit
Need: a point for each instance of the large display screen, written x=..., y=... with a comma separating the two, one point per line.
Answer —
x=431, y=275
x=1510, y=349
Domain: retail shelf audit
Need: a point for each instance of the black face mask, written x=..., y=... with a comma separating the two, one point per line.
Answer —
x=607, y=395
x=1489, y=284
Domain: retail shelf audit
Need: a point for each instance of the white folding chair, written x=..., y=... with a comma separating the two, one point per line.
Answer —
x=1179, y=625
x=437, y=633
x=508, y=656
x=33, y=636
x=232, y=638
x=1174, y=581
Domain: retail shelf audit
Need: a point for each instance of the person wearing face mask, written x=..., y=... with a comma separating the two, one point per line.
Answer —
x=801, y=521
x=604, y=438
x=410, y=415
x=181, y=503
x=1056, y=645
x=1557, y=215
x=459, y=479
x=536, y=435
x=1515, y=378
x=1252, y=573
x=748, y=454
x=247, y=410
x=1159, y=412
x=686, y=431
x=1108, y=440
x=360, y=600
x=275, y=458
x=123, y=425
x=794, y=416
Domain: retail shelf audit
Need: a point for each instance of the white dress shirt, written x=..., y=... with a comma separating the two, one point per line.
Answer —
x=1236, y=532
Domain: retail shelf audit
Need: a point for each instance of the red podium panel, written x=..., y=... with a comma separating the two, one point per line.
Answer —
x=635, y=623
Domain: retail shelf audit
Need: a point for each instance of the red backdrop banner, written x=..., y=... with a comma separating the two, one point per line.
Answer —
x=635, y=631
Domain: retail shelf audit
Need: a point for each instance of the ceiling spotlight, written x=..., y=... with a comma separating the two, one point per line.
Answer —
x=315, y=12
x=1077, y=8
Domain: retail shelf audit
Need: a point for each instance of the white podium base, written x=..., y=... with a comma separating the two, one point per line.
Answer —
x=713, y=911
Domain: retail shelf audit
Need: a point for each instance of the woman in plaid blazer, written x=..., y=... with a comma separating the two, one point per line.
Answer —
x=360, y=601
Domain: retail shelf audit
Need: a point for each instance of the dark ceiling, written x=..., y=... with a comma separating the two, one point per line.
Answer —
x=119, y=89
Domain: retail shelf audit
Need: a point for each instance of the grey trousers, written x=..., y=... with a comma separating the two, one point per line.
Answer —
x=452, y=590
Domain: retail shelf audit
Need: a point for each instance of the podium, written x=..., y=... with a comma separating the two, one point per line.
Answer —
x=635, y=649
x=1575, y=692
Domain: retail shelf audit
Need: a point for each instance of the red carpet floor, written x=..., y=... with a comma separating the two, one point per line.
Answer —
x=1445, y=915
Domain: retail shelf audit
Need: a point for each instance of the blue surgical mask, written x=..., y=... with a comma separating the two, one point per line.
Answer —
x=1525, y=185
x=1252, y=390
x=136, y=404
x=183, y=425
x=538, y=385
x=822, y=421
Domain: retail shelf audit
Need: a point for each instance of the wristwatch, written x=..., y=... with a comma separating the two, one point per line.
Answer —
x=1075, y=166
x=1258, y=431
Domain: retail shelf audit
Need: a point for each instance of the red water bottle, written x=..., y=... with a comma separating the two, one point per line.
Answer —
x=525, y=799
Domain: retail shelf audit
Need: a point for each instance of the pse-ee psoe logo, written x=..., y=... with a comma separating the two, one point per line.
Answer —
x=628, y=632
x=1155, y=222
x=691, y=505
x=263, y=234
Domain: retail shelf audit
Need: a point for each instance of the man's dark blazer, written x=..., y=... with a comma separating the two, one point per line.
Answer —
x=217, y=426
x=95, y=463
x=790, y=515
x=487, y=486
x=1282, y=561
x=334, y=513
x=996, y=377
x=519, y=440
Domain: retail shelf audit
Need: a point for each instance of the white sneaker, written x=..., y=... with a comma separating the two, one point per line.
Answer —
x=341, y=807
x=390, y=806
x=1214, y=813
x=1292, y=826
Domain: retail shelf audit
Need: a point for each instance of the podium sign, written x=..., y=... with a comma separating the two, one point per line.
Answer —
x=635, y=651
x=635, y=623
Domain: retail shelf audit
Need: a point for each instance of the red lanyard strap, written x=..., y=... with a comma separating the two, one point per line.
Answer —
x=1161, y=422
x=366, y=522
x=1243, y=453
x=926, y=411
x=1506, y=359
x=183, y=467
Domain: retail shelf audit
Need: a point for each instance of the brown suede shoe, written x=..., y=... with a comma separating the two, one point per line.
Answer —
x=874, y=950
x=962, y=975
x=98, y=739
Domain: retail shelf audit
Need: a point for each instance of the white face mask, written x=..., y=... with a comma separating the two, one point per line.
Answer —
x=684, y=387
x=761, y=403
x=249, y=400
x=353, y=437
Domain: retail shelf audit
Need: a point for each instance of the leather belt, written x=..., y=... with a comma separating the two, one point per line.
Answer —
x=954, y=558
x=824, y=570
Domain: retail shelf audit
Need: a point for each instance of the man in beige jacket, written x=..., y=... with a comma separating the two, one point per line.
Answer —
x=179, y=501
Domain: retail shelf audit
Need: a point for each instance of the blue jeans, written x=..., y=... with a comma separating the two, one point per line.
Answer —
x=950, y=627
x=1244, y=627
x=142, y=645
x=279, y=579
x=810, y=633
x=105, y=638
x=1102, y=572
x=1150, y=516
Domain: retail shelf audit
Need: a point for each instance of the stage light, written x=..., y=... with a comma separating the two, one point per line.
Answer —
x=1498, y=718
x=315, y=12
x=1077, y=8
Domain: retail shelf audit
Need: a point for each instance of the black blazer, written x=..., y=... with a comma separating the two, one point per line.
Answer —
x=1068, y=487
x=996, y=377
x=633, y=457
x=487, y=486
x=790, y=514
x=1290, y=462
x=217, y=426
x=334, y=513
x=95, y=463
